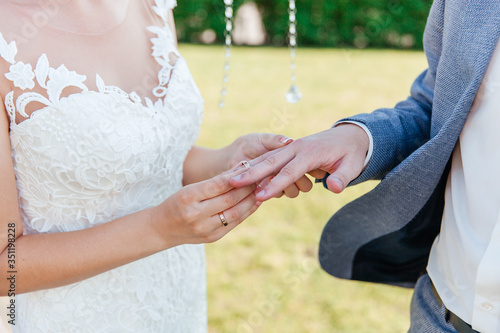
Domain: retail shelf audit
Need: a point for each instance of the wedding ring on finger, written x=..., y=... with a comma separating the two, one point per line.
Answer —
x=222, y=219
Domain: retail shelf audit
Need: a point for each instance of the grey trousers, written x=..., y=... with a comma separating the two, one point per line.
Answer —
x=425, y=313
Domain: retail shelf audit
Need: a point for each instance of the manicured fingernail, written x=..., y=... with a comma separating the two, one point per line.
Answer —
x=286, y=140
x=236, y=178
x=261, y=193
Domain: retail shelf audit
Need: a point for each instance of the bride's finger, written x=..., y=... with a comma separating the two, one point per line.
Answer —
x=227, y=200
x=217, y=185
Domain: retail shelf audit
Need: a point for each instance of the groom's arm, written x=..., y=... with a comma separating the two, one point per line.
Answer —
x=341, y=151
x=397, y=132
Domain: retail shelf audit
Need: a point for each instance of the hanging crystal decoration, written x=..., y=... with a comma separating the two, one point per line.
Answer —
x=228, y=14
x=293, y=95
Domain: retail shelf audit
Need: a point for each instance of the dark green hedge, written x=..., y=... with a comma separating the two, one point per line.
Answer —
x=337, y=23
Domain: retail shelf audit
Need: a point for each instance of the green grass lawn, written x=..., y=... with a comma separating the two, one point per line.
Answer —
x=264, y=276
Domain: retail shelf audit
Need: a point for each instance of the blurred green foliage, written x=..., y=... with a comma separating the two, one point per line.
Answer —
x=323, y=23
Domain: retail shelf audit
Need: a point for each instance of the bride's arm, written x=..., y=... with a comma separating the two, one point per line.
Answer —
x=50, y=260
x=203, y=163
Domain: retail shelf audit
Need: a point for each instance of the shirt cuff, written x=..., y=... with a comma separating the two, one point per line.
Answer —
x=367, y=131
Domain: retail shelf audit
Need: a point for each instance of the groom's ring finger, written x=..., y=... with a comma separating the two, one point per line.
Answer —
x=240, y=166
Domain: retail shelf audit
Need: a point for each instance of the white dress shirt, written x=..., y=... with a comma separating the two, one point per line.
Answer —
x=464, y=263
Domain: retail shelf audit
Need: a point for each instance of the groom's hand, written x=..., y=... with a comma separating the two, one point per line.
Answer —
x=340, y=151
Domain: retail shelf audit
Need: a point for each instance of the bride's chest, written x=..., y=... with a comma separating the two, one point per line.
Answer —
x=96, y=135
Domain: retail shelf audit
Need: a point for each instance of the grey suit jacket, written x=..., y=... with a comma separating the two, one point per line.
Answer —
x=385, y=236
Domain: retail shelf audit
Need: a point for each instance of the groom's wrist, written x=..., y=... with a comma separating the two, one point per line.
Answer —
x=369, y=153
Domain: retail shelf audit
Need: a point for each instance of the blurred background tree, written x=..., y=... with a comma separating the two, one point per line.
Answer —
x=321, y=23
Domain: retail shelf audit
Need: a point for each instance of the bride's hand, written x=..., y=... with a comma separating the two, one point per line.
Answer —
x=251, y=146
x=191, y=216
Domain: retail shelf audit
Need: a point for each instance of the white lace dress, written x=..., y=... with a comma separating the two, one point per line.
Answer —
x=90, y=156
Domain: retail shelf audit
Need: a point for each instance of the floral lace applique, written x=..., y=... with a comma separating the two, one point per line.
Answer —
x=162, y=7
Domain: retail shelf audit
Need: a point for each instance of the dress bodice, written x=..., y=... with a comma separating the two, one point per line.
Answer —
x=93, y=156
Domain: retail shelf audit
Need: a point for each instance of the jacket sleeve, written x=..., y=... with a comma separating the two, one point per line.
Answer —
x=397, y=132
